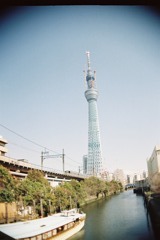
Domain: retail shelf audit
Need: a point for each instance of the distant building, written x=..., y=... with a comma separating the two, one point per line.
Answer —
x=7, y=160
x=105, y=175
x=153, y=163
x=144, y=175
x=130, y=179
x=110, y=176
x=137, y=177
x=119, y=176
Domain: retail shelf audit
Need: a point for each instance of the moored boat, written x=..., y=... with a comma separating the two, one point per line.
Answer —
x=59, y=226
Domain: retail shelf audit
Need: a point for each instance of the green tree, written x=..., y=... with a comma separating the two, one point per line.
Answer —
x=7, y=189
x=120, y=186
x=101, y=187
x=90, y=186
x=35, y=190
x=94, y=186
x=69, y=195
x=7, y=186
x=78, y=192
x=62, y=197
x=114, y=186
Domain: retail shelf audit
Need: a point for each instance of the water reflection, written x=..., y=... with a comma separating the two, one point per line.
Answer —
x=121, y=217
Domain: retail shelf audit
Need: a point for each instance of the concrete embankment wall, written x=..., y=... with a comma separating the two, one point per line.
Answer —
x=153, y=207
x=91, y=199
x=7, y=212
x=152, y=203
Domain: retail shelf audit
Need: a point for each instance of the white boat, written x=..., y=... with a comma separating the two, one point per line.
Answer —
x=59, y=226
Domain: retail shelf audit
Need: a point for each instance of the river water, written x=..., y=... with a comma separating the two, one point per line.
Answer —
x=121, y=217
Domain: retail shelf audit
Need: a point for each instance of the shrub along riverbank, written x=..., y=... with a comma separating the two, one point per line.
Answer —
x=35, y=197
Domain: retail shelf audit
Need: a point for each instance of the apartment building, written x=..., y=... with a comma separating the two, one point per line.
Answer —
x=153, y=163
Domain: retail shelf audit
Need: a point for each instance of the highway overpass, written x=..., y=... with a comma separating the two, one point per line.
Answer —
x=20, y=168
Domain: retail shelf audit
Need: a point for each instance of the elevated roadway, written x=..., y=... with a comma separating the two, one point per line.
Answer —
x=20, y=169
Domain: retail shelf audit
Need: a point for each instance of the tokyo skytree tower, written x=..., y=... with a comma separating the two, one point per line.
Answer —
x=94, y=158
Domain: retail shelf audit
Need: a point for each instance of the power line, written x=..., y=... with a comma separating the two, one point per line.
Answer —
x=33, y=142
x=72, y=160
x=19, y=135
x=29, y=149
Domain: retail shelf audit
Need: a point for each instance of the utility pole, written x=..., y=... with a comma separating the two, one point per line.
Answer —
x=45, y=155
x=63, y=159
x=41, y=160
x=79, y=169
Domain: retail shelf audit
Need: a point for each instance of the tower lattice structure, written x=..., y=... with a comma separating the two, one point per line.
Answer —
x=94, y=159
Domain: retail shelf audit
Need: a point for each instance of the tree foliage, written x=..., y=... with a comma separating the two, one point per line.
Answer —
x=7, y=186
x=36, y=191
x=94, y=186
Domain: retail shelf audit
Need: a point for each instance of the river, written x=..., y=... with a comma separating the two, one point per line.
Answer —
x=121, y=217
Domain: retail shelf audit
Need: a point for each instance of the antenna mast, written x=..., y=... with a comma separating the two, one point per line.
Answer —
x=88, y=60
x=85, y=79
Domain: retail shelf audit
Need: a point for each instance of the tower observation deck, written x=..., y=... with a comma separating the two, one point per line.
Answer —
x=94, y=159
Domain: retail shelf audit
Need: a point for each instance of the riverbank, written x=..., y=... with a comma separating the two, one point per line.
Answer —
x=120, y=216
x=152, y=203
x=10, y=209
x=92, y=199
x=45, y=199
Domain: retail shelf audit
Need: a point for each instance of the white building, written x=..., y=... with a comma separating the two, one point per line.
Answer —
x=3, y=149
x=110, y=177
x=119, y=176
x=130, y=178
x=4, y=158
x=153, y=163
x=137, y=177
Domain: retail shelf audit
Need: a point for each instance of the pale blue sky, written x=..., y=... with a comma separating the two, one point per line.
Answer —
x=42, y=58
